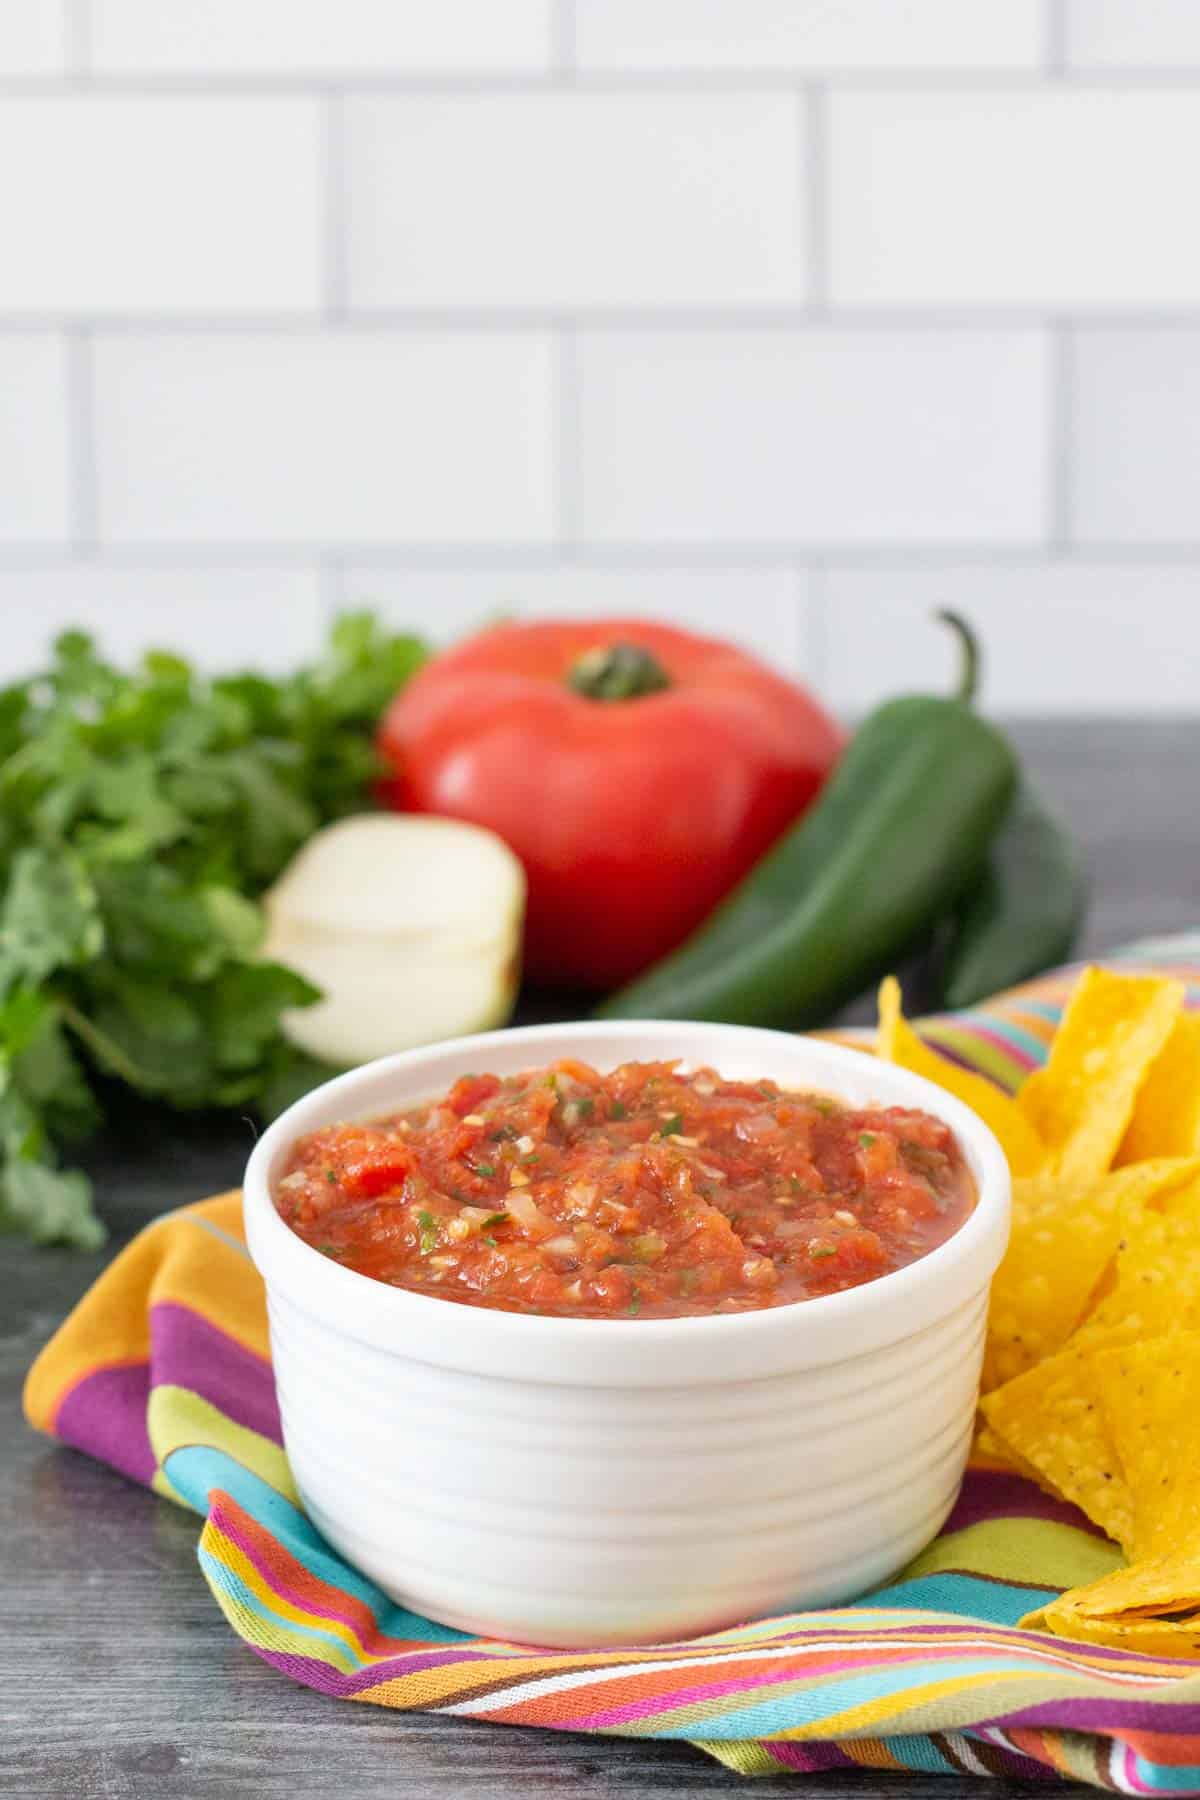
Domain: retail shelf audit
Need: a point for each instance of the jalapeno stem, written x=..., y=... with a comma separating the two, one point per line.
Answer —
x=968, y=643
x=618, y=672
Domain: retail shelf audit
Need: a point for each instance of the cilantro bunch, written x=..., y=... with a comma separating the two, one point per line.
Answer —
x=141, y=815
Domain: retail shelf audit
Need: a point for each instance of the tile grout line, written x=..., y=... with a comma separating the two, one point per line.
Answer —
x=331, y=579
x=681, y=557
x=78, y=42
x=816, y=657
x=563, y=61
x=1062, y=439
x=335, y=225
x=82, y=475
x=448, y=83
x=566, y=448
x=816, y=189
x=802, y=317
x=1056, y=51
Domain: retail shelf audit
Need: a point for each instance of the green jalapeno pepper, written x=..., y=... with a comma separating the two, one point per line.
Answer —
x=1024, y=913
x=898, y=837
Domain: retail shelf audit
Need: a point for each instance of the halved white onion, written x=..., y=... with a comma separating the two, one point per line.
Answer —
x=410, y=926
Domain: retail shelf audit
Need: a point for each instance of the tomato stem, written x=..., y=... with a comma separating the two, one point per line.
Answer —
x=617, y=672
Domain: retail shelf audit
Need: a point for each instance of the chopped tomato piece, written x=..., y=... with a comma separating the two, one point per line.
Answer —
x=470, y=1091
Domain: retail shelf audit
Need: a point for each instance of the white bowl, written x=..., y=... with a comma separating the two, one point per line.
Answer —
x=586, y=1482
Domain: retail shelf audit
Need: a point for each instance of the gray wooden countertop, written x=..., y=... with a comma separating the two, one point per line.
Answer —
x=119, y=1680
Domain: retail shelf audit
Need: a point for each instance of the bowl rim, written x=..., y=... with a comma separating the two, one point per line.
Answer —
x=489, y=1340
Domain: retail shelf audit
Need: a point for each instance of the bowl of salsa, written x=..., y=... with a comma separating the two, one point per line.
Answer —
x=619, y=1331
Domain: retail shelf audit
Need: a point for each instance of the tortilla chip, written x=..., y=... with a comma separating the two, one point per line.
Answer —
x=1166, y=1115
x=1147, y=1394
x=989, y=1451
x=1053, y=1420
x=1056, y=1416
x=1095, y=1316
x=1063, y=1240
x=1081, y=1102
x=1150, y=1588
x=899, y=1043
x=1149, y=1637
x=1053, y=1416
x=1157, y=1273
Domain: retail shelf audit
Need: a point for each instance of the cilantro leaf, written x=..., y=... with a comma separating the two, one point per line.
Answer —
x=142, y=814
x=48, y=1205
x=50, y=918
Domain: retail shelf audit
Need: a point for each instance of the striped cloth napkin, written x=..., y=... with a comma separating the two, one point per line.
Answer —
x=163, y=1371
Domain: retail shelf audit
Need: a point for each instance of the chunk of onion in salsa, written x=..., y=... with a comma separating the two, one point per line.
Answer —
x=649, y=1192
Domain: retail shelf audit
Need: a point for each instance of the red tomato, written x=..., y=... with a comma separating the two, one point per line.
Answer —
x=637, y=771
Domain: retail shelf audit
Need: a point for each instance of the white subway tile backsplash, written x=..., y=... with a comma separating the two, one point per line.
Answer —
x=325, y=438
x=276, y=37
x=818, y=437
x=1136, y=446
x=34, y=454
x=135, y=204
x=764, y=610
x=546, y=200
x=220, y=618
x=33, y=37
x=668, y=35
x=1132, y=34
x=603, y=306
x=1057, y=637
x=1063, y=196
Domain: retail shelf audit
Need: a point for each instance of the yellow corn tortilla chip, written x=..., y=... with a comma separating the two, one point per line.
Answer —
x=1149, y=1637
x=1157, y=1273
x=1111, y=1418
x=1081, y=1102
x=989, y=1451
x=1142, y=1239
x=1149, y=1397
x=1063, y=1240
x=898, y=1043
x=1166, y=1114
x=1149, y=1588
x=1052, y=1418
x=1147, y=1394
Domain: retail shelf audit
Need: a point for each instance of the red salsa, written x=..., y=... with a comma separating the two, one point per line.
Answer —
x=647, y=1192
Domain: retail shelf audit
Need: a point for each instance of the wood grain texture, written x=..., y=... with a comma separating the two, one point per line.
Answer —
x=118, y=1678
